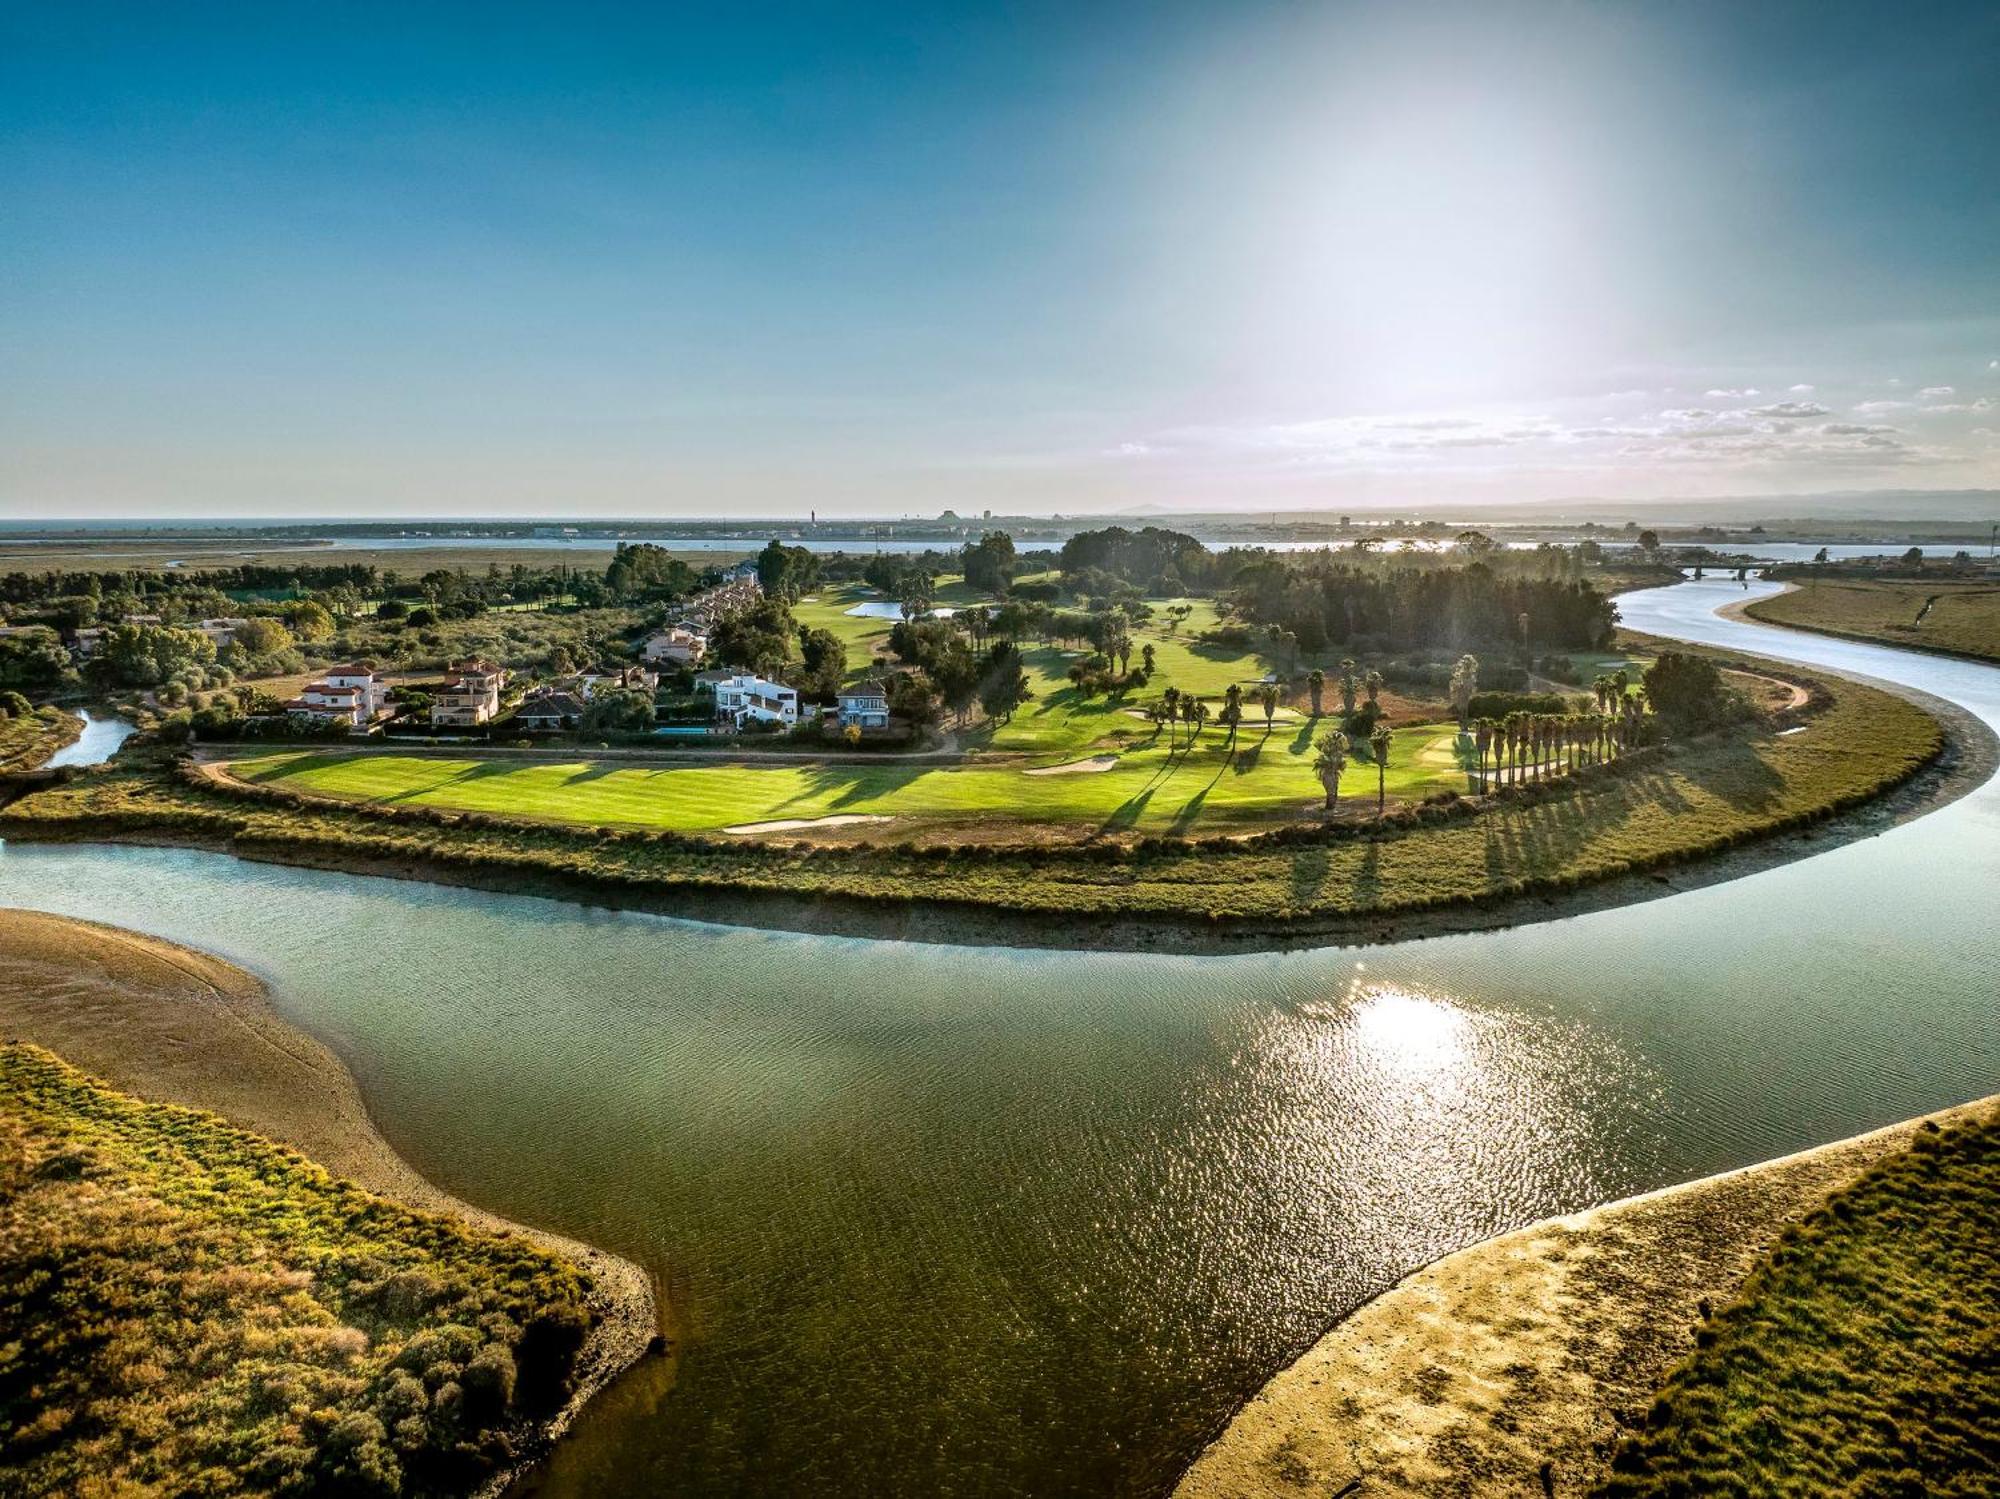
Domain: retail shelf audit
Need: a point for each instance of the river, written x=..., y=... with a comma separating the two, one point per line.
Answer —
x=986, y=1221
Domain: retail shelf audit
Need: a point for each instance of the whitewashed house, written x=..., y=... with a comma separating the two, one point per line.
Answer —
x=743, y=698
x=678, y=645
x=353, y=694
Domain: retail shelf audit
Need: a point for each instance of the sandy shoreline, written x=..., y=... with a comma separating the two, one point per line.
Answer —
x=1513, y=1366
x=174, y=1025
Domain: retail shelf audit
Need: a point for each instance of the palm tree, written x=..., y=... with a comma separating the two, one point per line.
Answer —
x=1373, y=683
x=1378, y=744
x=1482, y=739
x=1350, y=684
x=1232, y=709
x=1195, y=712
x=1329, y=762
x=1170, y=709
x=1146, y=657
x=1268, y=700
x=1317, y=684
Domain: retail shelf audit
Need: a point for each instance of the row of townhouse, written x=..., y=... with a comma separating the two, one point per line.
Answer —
x=683, y=640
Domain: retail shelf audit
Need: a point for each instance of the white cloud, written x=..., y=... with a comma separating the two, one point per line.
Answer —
x=1791, y=410
x=1937, y=392
x=1801, y=390
x=1734, y=395
x=1132, y=450
x=1876, y=408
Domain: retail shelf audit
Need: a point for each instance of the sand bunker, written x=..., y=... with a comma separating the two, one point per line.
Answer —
x=793, y=824
x=1077, y=767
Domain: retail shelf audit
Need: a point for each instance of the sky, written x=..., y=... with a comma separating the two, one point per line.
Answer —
x=653, y=260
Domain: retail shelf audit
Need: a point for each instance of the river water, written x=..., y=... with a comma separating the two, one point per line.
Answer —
x=985, y=1221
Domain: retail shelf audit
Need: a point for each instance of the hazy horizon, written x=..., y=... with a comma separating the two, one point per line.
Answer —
x=615, y=261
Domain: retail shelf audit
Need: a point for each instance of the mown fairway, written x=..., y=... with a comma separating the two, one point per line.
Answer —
x=1149, y=789
x=1960, y=617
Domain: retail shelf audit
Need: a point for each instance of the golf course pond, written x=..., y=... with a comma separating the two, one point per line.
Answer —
x=987, y=1221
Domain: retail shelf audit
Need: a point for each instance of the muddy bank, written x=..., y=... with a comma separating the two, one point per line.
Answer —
x=178, y=1026
x=1512, y=1367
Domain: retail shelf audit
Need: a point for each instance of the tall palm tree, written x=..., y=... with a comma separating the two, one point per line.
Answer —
x=1146, y=657
x=1170, y=706
x=1373, y=683
x=1329, y=762
x=1378, y=745
x=1317, y=684
x=1482, y=739
x=1350, y=684
x=1195, y=711
x=1232, y=709
x=1267, y=699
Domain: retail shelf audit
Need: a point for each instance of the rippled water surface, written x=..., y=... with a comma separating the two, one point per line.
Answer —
x=984, y=1221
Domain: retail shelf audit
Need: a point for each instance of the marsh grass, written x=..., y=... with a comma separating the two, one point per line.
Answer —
x=1861, y=1359
x=187, y=1307
x=1958, y=617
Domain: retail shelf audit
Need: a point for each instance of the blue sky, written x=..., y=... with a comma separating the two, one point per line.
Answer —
x=336, y=260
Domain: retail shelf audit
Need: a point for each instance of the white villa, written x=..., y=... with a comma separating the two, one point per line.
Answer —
x=744, y=698
x=351, y=693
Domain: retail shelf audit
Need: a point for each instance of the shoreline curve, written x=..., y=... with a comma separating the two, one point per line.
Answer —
x=1515, y=1365
x=172, y=1024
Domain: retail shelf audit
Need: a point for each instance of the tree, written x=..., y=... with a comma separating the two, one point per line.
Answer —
x=1268, y=700
x=1232, y=709
x=1687, y=691
x=619, y=712
x=1195, y=712
x=1329, y=761
x=1350, y=686
x=1482, y=740
x=1170, y=704
x=1316, y=684
x=262, y=636
x=33, y=663
x=1464, y=682
x=911, y=699
x=1005, y=684
x=310, y=621
x=1649, y=542
x=147, y=655
x=1373, y=683
x=823, y=657
x=1378, y=745
x=989, y=562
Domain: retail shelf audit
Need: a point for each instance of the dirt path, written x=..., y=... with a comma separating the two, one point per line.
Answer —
x=1512, y=1367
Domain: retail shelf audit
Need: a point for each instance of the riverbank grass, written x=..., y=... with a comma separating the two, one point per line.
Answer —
x=186, y=1306
x=1960, y=618
x=1860, y=1357
x=27, y=739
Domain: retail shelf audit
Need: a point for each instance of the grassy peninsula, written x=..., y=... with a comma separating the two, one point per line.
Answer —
x=1860, y=1357
x=1706, y=795
x=180, y=1295
x=184, y=1298
x=1859, y=1296
x=1959, y=619
x=28, y=736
